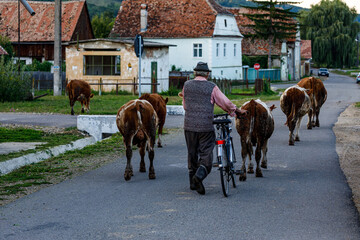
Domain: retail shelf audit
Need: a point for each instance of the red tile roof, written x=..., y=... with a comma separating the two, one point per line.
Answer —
x=306, y=49
x=40, y=27
x=3, y=51
x=168, y=18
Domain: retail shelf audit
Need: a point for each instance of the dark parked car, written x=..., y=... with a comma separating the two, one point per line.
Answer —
x=323, y=72
x=358, y=78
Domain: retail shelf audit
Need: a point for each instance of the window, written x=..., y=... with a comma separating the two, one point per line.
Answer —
x=197, y=50
x=225, y=22
x=235, y=50
x=224, y=49
x=102, y=65
x=217, y=49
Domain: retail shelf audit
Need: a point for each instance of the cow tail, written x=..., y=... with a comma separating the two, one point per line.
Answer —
x=291, y=115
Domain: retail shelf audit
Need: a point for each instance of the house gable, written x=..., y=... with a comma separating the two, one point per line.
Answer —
x=40, y=27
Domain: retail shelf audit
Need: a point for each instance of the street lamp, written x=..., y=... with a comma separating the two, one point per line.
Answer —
x=32, y=13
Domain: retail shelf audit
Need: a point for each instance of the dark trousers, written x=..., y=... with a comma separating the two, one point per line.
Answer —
x=200, y=147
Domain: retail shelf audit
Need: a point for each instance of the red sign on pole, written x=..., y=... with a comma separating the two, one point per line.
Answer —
x=257, y=66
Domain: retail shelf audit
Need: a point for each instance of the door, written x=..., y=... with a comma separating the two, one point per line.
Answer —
x=154, y=77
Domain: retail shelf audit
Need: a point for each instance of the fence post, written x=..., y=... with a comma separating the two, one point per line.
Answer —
x=33, y=87
x=66, y=83
x=134, y=86
x=100, y=87
x=117, y=87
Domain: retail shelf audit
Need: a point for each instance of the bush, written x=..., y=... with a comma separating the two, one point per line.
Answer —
x=39, y=66
x=13, y=86
x=173, y=91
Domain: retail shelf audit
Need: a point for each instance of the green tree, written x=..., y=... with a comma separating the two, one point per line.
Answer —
x=271, y=22
x=6, y=44
x=102, y=25
x=332, y=30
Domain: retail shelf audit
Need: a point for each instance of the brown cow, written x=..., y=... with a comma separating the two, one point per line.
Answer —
x=137, y=122
x=318, y=97
x=295, y=103
x=159, y=104
x=79, y=90
x=255, y=129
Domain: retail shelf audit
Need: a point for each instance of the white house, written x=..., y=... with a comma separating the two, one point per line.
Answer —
x=201, y=30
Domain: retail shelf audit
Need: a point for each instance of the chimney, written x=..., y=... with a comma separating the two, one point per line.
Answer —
x=143, y=18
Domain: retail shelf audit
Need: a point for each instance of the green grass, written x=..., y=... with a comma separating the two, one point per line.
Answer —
x=357, y=104
x=61, y=166
x=29, y=135
x=99, y=105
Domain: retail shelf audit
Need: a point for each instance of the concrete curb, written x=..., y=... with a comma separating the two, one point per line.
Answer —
x=97, y=125
x=15, y=163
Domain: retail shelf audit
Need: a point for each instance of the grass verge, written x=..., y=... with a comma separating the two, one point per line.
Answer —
x=57, y=169
x=100, y=105
x=30, y=135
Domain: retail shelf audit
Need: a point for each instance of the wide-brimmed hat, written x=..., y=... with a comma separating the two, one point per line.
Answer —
x=202, y=67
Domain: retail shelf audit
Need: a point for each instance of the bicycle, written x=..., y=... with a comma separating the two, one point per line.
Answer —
x=225, y=151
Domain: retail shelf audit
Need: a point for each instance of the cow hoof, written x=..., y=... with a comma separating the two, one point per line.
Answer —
x=309, y=127
x=259, y=174
x=242, y=178
x=264, y=165
x=152, y=176
x=142, y=169
x=159, y=145
x=127, y=176
x=72, y=113
x=317, y=125
x=297, y=139
x=82, y=110
x=291, y=143
x=250, y=170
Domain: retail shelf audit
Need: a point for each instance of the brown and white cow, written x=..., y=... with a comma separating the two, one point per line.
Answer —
x=254, y=129
x=137, y=121
x=159, y=104
x=79, y=90
x=295, y=103
x=318, y=98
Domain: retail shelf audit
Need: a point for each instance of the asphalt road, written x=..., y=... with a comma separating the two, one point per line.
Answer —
x=303, y=194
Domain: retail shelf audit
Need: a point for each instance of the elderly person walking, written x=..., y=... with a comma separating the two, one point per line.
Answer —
x=199, y=97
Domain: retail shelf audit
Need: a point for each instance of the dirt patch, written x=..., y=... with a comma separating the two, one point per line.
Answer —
x=347, y=131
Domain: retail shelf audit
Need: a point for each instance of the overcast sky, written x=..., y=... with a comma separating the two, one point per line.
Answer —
x=350, y=3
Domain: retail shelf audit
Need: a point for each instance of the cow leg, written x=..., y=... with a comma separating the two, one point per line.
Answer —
x=298, y=124
x=151, y=168
x=317, y=123
x=264, y=158
x=291, y=134
x=82, y=107
x=142, y=156
x=257, y=158
x=128, y=170
x=244, y=154
x=72, y=107
x=160, y=133
x=310, y=121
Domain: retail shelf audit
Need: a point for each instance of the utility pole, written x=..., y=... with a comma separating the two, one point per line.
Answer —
x=357, y=55
x=57, y=50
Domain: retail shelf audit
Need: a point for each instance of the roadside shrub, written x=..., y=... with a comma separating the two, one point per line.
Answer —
x=173, y=91
x=39, y=66
x=13, y=86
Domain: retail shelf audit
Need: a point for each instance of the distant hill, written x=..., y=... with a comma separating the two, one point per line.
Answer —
x=238, y=3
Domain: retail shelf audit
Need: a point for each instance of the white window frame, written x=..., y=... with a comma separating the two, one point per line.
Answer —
x=197, y=50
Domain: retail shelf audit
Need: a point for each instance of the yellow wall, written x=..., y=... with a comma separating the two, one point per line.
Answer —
x=75, y=64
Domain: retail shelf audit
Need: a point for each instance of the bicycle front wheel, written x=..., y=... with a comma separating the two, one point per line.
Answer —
x=225, y=176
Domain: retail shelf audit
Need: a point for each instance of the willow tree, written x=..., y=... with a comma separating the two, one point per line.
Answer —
x=271, y=22
x=331, y=28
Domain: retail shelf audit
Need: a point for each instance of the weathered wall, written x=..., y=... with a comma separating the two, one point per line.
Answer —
x=129, y=65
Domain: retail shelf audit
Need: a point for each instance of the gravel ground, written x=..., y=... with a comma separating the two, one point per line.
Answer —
x=347, y=131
